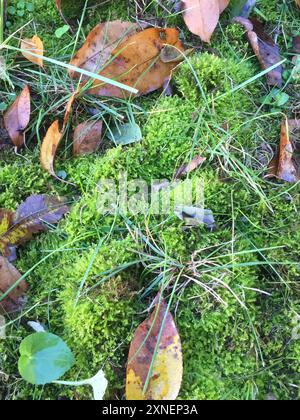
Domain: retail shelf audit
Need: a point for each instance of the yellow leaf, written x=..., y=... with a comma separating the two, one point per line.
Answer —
x=49, y=147
x=35, y=46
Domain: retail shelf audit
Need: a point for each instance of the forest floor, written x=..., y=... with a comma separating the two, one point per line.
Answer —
x=237, y=295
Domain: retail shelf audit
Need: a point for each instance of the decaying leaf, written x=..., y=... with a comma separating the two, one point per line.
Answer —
x=31, y=217
x=284, y=166
x=137, y=63
x=189, y=167
x=99, y=45
x=33, y=45
x=202, y=16
x=49, y=147
x=166, y=375
x=266, y=50
x=9, y=275
x=87, y=138
x=194, y=216
x=17, y=117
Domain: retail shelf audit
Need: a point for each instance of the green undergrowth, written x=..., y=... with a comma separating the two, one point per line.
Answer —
x=97, y=274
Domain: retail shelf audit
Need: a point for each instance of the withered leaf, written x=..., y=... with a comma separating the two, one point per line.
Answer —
x=189, y=167
x=202, y=16
x=100, y=43
x=284, y=166
x=31, y=217
x=49, y=147
x=166, y=376
x=137, y=63
x=17, y=117
x=33, y=45
x=87, y=138
x=9, y=276
x=266, y=50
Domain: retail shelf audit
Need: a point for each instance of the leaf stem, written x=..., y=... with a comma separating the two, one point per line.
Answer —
x=2, y=11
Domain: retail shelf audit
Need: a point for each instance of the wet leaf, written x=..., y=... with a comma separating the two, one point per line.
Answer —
x=87, y=138
x=137, y=63
x=49, y=147
x=33, y=45
x=166, y=375
x=264, y=48
x=15, y=300
x=17, y=117
x=44, y=358
x=202, y=16
x=126, y=134
x=189, y=167
x=100, y=43
x=31, y=217
x=284, y=166
x=194, y=216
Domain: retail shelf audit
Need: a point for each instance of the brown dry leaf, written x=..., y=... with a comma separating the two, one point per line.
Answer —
x=137, y=63
x=87, y=138
x=189, y=167
x=266, y=50
x=166, y=376
x=202, y=16
x=34, y=45
x=17, y=117
x=15, y=300
x=100, y=43
x=49, y=147
x=69, y=108
x=297, y=2
x=32, y=216
x=284, y=165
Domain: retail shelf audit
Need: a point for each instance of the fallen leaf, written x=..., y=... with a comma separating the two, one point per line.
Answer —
x=31, y=217
x=166, y=375
x=33, y=45
x=137, y=63
x=9, y=276
x=202, y=16
x=266, y=50
x=242, y=8
x=17, y=117
x=194, y=216
x=87, y=138
x=296, y=44
x=99, y=45
x=69, y=107
x=284, y=165
x=189, y=167
x=49, y=147
x=297, y=2
x=126, y=134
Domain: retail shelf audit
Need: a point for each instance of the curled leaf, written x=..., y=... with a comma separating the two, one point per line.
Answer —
x=9, y=276
x=33, y=45
x=87, y=138
x=166, y=374
x=49, y=147
x=31, y=217
x=202, y=16
x=17, y=117
x=137, y=63
x=264, y=48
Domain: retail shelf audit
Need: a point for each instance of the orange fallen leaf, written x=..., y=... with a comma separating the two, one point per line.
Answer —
x=284, y=165
x=264, y=48
x=87, y=138
x=69, y=108
x=49, y=147
x=99, y=44
x=166, y=376
x=202, y=16
x=137, y=63
x=33, y=45
x=9, y=276
x=17, y=117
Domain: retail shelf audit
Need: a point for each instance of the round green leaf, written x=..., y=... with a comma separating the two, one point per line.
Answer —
x=44, y=358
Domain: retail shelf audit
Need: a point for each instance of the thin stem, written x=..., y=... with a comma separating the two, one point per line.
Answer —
x=2, y=9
